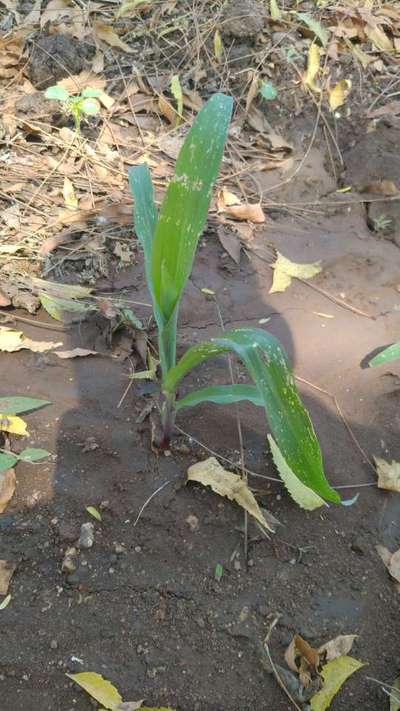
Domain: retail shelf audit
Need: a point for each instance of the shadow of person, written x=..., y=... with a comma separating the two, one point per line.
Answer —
x=143, y=606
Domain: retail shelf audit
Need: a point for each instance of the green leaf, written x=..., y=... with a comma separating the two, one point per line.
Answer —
x=219, y=571
x=334, y=675
x=385, y=356
x=269, y=369
x=7, y=461
x=91, y=93
x=30, y=454
x=98, y=688
x=145, y=213
x=16, y=404
x=395, y=695
x=93, y=512
x=183, y=215
x=89, y=106
x=268, y=91
x=58, y=308
x=305, y=497
x=57, y=92
x=221, y=395
x=128, y=316
x=274, y=10
x=176, y=90
x=321, y=32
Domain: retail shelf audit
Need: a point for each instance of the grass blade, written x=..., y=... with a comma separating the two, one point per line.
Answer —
x=221, y=395
x=145, y=212
x=289, y=421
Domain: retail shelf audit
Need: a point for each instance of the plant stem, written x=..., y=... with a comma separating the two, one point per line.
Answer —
x=167, y=419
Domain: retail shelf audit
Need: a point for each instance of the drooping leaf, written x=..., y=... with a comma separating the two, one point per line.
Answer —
x=57, y=92
x=305, y=497
x=221, y=395
x=385, y=356
x=99, y=689
x=58, y=307
x=16, y=404
x=321, y=32
x=395, y=695
x=225, y=483
x=32, y=454
x=334, y=674
x=13, y=424
x=269, y=369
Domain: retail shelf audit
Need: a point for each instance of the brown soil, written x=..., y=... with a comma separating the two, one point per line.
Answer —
x=153, y=619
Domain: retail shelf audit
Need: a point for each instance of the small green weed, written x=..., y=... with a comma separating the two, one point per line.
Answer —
x=84, y=103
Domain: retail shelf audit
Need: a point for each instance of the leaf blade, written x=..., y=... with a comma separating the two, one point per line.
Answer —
x=98, y=688
x=17, y=404
x=221, y=395
x=334, y=674
x=386, y=356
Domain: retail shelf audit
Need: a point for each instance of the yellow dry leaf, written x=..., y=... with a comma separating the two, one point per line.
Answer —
x=388, y=474
x=314, y=55
x=224, y=483
x=70, y=199
x=226, y=198
x=339, y=94
x=378, y=38
x=285, y=270
x=251, y=212
x=334, y=674
x=218, y=46
x=107, y=34
x=11, y=341
x=98, y=688
x=13, y=424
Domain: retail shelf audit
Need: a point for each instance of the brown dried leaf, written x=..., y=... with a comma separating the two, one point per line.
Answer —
x=167, y=109
x=11, y=341
x=337, y=647
x=306, y=651
x=253, y=91
x=251, y=212
x=70, y=199
x=4, y=300
x=75, y=353
x=106, y=33
x=230, y=242
x=224, y=483
x=379, y=38
x=393, y=107
x=383, y=187
x=388, y=474
x=391, y=561
x=7, y=487
x=7, y=569
x=60, y=9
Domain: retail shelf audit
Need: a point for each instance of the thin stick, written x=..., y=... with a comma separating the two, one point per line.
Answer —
x=273, y=667
x=160, y=488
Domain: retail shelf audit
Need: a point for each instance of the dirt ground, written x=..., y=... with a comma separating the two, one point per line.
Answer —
x=143, y=608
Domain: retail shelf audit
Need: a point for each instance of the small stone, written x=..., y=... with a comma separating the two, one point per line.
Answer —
x=53, y=644
x=193, y=522
x=243, y=19
x=113, y=558
x=119, y=549
x=200, y=622
x=69, y=563
x=68, y=531
x=86, y=539
x=250, y=562
x=182, y=449
x=237, y=565
x=138, y=549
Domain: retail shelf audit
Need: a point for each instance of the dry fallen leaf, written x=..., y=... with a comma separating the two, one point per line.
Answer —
x=251, y=212
x=334, y=674
x=7, y=487
x=11, y=341
x=75, y=353
x=13, y=424
x=224, y=483
x=285, y=270
x=388, y=474
x=339, y=94
x=70, y=199
x=106, y=33
x=384, y=187
x=230, y=242
x=6, y=572
x=337, y=647
x=379, y=38
x=225, y=198
x=167, y=110
x=312, y=67
x=391, y=560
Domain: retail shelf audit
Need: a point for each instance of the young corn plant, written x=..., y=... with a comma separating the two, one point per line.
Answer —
x=169, y=239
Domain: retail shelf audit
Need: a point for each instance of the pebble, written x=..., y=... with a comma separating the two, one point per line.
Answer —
x=69, y=563
x=86, y=539
x=237, y=565
x=119, y=549
x=138, y=549
x=53, y=644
